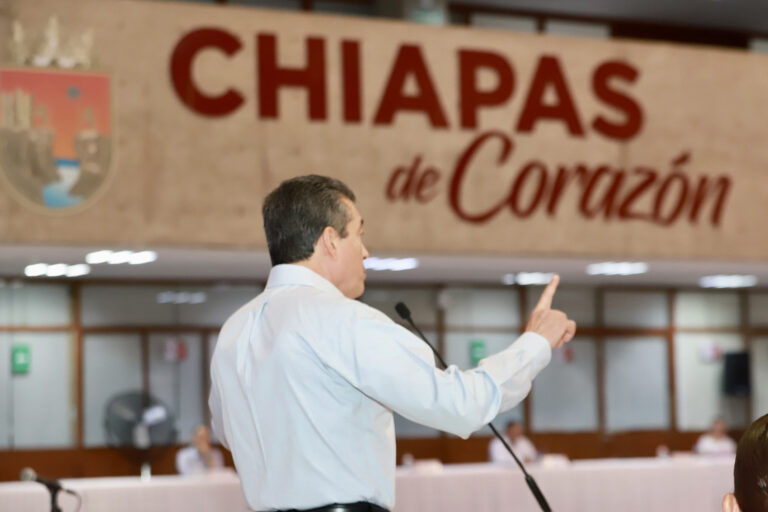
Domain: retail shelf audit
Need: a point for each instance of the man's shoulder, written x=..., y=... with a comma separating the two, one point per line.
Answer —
x=303, y=305
x=324, y=301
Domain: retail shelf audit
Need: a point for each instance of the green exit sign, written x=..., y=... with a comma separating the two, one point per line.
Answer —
x=477, y=352
x=20, y=359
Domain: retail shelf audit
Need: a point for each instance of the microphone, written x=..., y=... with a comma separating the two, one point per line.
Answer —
x=29, y=475
x=404, y=313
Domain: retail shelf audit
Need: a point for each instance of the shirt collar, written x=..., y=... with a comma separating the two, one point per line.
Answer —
x=298, y=275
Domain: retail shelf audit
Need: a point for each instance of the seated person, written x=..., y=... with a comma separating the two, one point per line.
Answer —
x=520, y=444
x=750, y=471
x=199, y=456
x=716, y=441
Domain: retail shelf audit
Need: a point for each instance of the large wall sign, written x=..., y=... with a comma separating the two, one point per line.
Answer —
x=455, y=140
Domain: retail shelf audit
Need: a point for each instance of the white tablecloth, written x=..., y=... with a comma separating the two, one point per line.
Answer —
x=615, y=485
x=626, y=485
x=213, y=492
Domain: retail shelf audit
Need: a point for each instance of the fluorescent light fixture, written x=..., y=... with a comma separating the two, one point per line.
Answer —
x=393, y=264
x=120, y=257
x=171, y=297
x=97, y=257
x=142, y=257
x=57, y=270
x=728, y=281
x=197, y=298
x=166, y=297
x=533, y=278
x=508, y=279
x=617, y=268
x=181, y=298
x=81, y=269
x=36, y=269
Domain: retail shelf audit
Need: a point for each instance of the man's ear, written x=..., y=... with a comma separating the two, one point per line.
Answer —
x=730, y=504
x=328, y=240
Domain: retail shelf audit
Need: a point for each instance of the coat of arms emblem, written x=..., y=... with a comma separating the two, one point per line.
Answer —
x=55, y=135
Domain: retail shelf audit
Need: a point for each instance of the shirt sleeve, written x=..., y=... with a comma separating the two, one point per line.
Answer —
x=394, y=367
x=214, y=404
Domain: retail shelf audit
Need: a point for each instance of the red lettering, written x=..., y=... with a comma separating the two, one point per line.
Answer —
x=181, y=71
x=271, y=77
x=470, y=62
x=401, y=181
x=606, y=204
x=703, y=191
x=632, y=112
x=562, y=179
x=661, y=194
x=350, y=65
x=645, y=183
x=427, y=181
x=549, y=73
x=461, y=169
x=514, y=197
x=409, y=61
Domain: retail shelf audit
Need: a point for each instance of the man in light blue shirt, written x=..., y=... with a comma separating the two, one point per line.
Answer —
x=304, y=378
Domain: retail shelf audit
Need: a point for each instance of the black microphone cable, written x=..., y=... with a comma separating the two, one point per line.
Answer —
x=405, y=314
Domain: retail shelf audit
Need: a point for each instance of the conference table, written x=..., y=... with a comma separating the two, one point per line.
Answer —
x=626, y=485
x=600, y=485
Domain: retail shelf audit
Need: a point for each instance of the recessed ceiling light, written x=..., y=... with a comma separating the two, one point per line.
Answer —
x=120, y=257
x=508, y=279
x=533, y=278
x=81, y=269
x=170, y=297
x=617, y=268
x=142, y=257
x=36, y=269
x=56, y=270
x=97, y=257
x=394, y=264
x=728, y=281
x=166, y=297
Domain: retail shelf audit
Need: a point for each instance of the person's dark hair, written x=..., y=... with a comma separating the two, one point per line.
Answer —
x=750, y=472
x=297, y=212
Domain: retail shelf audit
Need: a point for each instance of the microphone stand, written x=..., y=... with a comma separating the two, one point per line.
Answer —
x=53, y=486
x=405, y=314
x=54, y=501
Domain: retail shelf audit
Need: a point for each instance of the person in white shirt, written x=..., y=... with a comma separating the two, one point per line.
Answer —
x=716, y=441
x=304, y=379
x=520, y=444
x=199, y=457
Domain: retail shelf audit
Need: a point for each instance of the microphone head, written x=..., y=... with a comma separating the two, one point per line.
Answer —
x=403, y=311
x=28, y=475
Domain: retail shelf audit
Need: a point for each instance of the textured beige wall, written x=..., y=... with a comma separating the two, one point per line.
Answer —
x=187, y=180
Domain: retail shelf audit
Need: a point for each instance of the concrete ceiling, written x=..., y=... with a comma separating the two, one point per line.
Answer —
x=174, y=264
x=739, y=15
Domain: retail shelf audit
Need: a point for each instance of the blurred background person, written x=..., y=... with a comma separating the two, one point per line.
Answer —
x=750, y=471
x=520, y=444
x=716, y=440
x=199, y=457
